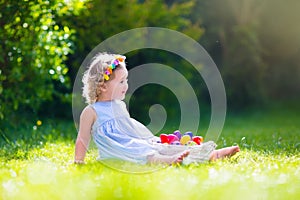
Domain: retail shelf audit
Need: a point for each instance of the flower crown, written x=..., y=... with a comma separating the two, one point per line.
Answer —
x=109, y=70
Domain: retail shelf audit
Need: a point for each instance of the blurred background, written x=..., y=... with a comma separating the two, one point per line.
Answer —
x=254, y=43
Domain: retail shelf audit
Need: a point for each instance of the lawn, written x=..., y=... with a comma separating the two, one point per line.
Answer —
x=38, y=165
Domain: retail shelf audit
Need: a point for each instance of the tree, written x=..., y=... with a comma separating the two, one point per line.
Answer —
x=231, y=34
x=255, y=45
x=279, y=34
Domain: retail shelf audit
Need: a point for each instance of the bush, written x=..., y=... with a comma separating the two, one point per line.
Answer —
x=34, y=46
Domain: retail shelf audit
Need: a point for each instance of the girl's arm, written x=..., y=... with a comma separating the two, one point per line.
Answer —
x=87, y=118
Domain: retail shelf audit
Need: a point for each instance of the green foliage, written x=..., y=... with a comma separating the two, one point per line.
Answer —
x=244, y=68
x=104, y=19
x=242, y=65
x=279, y=34
x=34, y=48
x=43, y=43
x=256, y=46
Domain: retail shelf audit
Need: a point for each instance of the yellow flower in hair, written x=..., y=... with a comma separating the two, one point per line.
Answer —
x=106, y=77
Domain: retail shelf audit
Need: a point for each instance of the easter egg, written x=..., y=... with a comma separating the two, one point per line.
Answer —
x=189, y=133
x=184, y=139
x=198, y=139
x=164, y=138
x=172, y=138
x=178, y=134
x=191, y=143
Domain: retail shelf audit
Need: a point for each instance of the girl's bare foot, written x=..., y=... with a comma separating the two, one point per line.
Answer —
x=224, y=152
x=178, y=158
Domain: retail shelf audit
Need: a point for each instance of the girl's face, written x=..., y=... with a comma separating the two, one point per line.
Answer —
x=117, y=87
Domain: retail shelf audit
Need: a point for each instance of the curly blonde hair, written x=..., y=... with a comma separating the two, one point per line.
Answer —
x=93, y=78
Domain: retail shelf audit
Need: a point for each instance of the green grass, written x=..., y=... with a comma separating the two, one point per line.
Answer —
x=39, y=165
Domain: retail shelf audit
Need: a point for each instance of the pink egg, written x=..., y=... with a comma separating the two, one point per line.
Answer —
x=172, y=138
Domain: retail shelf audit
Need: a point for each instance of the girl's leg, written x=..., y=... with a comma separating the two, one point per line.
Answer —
x=224, y=152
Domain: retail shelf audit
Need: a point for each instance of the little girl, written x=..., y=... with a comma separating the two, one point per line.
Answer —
x=116, y=134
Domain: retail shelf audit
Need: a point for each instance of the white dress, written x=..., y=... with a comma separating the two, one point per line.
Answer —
x=118, y=136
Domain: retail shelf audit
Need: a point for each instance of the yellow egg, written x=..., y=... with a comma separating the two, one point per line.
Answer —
x=185, y=139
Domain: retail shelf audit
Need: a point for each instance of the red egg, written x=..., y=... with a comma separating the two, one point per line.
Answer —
x=164, y=138
x=198, y=139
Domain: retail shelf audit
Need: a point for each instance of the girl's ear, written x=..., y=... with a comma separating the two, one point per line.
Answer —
x=103, y=87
